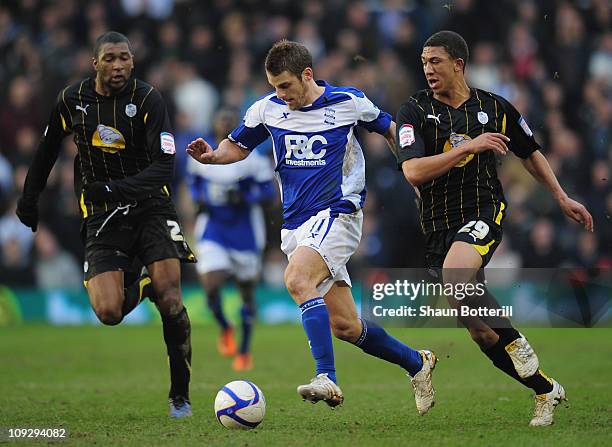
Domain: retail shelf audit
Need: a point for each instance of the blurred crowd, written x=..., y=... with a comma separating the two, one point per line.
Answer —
x=551, y=59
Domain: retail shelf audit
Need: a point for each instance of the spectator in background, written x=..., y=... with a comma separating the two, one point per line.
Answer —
x=542, y=248
x=156, y=9
x=21, y=110
x=588, y=252
x=194, y=96
x=204, y=53
x=15, y=247
x=6, y=181
x=484, y=70
x=54, y=267
x=600, y=63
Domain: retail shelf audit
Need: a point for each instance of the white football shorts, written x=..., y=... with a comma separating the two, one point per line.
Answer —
x=334, y=238
x=243, y=265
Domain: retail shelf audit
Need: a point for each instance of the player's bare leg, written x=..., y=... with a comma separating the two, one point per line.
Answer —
x=505, y=346
x=347, y=326
x=165, y=276
x=343, y=317
x=305, y=271
x=460, y=267
x=106, y=296
x=112, y=298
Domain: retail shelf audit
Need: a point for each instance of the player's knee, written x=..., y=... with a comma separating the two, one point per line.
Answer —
x=298, y=286
x=109, y=316
x=346, y=330
x=169, y=301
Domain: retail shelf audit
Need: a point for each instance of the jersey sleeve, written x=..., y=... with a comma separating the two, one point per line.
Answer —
x=252, y=132
x=48, y=150
x=409, y=129
x=522, y=142
x=159, y=132
x=160, y=145
x=370, y=117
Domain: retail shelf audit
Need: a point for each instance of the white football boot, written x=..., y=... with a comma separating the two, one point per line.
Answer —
x=545, y=405
x=322, y=388
x=523, y=357
x=424, y=392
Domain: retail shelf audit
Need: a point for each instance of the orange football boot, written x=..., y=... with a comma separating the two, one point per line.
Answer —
x=226, y=344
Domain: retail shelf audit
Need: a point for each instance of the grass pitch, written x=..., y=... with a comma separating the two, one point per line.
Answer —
x=108, y=386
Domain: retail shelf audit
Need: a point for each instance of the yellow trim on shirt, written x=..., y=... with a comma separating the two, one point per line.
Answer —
x=83, y=207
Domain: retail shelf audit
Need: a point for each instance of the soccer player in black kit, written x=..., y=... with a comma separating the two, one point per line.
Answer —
x=123, y=170
x=448, y=138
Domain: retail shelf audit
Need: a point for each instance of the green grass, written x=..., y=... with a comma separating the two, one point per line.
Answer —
x=108, y=386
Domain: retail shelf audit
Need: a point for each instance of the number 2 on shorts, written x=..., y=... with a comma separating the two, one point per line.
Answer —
x=175, y=230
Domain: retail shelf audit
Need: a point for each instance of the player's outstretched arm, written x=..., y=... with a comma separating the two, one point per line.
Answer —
x=538, y=167
x=420, y=170
x=44, y=160
x=226, y=153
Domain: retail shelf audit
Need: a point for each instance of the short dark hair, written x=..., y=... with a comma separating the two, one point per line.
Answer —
x=452, y=42
x=286, y=55
x=110, y=37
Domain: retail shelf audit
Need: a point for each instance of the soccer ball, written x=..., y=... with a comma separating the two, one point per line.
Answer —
x=240, y=404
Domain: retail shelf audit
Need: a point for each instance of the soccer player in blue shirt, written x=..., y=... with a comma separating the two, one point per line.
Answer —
x=320, y=169
x=230, y=232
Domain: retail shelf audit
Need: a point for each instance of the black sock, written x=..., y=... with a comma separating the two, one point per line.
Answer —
x=500, y=358
x=177, y=335
x=135, y=292
x=506, y=334
x=539, y=382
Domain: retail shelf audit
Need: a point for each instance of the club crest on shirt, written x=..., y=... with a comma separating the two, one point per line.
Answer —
x=483, y=118
x=130, y=110
x=455, y=140
x=329, y=116
x=108, y=139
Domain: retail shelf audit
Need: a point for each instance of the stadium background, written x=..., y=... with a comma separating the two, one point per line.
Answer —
x=552, y=59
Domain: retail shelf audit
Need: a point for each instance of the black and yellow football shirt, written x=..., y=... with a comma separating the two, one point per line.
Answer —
x=125, y=138
x=470, y=189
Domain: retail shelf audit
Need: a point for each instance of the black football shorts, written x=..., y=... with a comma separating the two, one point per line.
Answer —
x=148, y=231
x=482, y=234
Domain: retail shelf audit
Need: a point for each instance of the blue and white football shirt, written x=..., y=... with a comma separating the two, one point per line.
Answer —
x=319, y=161
x=232, y=195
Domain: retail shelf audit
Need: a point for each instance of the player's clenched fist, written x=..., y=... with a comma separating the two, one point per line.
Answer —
x=489, y=141
x=201, y=151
